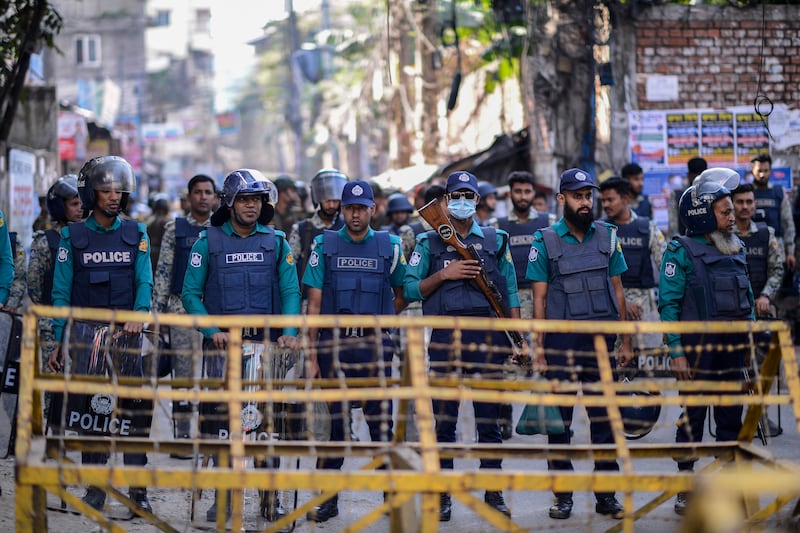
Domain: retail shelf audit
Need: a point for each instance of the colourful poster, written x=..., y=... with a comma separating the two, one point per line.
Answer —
x=647, y=138
x=717, y=144
x=683, y=137
x=751, y=137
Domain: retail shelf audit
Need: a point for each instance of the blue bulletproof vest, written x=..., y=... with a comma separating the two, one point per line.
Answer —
x=644, y=209
x=718, y=286
x=104, y=266
x=520, y=237
x=768, y=208
x=53, y=240
x=460, y=297
x=357, y=275
x=242, y=274
x=635, y=241
x=417, y=227
x=580, y=287
x=185, y=236
x=757, y=251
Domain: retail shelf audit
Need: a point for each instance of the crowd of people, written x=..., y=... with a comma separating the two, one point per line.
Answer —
x=248, y=249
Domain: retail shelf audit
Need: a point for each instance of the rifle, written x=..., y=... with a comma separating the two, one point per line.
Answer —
x=434, y=214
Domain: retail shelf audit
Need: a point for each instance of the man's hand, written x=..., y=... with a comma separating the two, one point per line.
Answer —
x=762, y=306
x=54, y=363
x=539, y=361
x=625, y=353
x=287, y=341
x=680, y=368
x=220, y=340
x=633, y=310
x=461, y=269
x=132, y=328
x=790, y=262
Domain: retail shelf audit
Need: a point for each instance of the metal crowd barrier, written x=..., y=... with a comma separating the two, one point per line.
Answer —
x=408, y=472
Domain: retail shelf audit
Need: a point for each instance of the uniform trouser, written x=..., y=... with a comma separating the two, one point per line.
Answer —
x=445, y=359
x=356, y=357
x=720, y=359
x=578, y=365
x=186, y=345
x=126, y=361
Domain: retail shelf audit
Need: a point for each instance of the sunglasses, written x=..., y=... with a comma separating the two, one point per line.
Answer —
x=457, y=195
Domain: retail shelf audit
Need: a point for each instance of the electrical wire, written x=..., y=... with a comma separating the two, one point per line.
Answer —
x=762, y=104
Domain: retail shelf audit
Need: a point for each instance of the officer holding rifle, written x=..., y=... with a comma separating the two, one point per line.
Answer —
x=444, y=282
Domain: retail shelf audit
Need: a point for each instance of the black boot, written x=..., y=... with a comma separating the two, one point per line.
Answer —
x=506, y=421
x=325, y=511
x=139, y=497
x=95, y=498
x=445, y=507
x=211, y=514
x=271, y=508
x=495, y=500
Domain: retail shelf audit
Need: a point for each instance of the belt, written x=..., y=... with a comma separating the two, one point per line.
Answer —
x=360, y=332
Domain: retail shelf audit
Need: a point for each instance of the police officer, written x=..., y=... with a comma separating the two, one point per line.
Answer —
x=694, y=167
x=773, y=206
x=399, y=210
x=287, y=210
x=64, y=207
x=704, y=277
x=484, y=211
x=634, y=174
x=17, y=291
x=354, y=271
x=326, y=194
x=6, y=264
x=438, y=276
x=764, y=266
x=104, y=262
x=586, y=257
x=520, y=225
x=242, y=266
x=643, y=246
x=179, y=237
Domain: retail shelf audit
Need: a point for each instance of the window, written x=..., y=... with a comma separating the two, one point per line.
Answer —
x=202, y=21
x=162, y=18
x=87, y=51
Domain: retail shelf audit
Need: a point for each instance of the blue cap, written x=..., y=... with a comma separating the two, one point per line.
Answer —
x=485, y=189
x=574, y=179
x=357, y=192
x=461, y=180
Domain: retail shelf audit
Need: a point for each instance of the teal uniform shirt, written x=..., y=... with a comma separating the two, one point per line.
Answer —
x=6, y=261
x=676, y=269
x=315, y=271
x=194, y=282
x=419, y=266
x=539, y=263
x=62, y=277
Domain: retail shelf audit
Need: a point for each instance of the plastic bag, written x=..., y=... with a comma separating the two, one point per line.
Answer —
x=539, y=419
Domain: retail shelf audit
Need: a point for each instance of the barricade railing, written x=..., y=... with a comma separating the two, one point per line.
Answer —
x=409, y=473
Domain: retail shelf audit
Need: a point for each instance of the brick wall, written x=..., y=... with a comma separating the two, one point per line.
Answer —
x=716, y=54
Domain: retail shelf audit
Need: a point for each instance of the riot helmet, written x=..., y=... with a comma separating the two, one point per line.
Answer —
x=397, y=203
x=246, y=182
x=65, y=188
x=695, y=205
x=638, y=420
x=105, y=173
x=327, y=184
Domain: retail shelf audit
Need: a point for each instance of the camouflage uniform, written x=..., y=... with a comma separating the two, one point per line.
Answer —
x=17, y=290
x=647, y=298
x=186, y=342
x=38, y=267
x=775, y=261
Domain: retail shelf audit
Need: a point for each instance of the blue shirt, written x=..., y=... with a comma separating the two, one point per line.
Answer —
x=314, y=275
x=6, y=261
x=419, y=266
x=672, y=288
x=539, y=262
x=62, y=277
x=194, y=282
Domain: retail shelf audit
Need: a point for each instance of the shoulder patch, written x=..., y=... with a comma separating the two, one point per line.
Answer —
x=143, y=245
x=197, y=259
x=533, y=255
x=674, y=246
x=313, y=259
x=289, y=258
x=669, y=269
x=2, y=222
x=414, y=259
x=63, y=254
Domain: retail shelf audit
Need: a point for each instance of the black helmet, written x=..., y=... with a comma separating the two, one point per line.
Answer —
x=327, y=184
x=105, y=172
x=638, y=420
x=398, y=202
x=246, y=182
x=66, y=188
x=696, y=202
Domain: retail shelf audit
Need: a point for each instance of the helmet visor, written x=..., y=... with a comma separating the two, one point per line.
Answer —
x=328, y=186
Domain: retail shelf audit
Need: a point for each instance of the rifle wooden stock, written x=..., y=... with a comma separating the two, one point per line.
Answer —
x=434, y=214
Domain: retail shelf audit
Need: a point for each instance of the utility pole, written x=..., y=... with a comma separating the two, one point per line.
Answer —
x=430, y=84
x=294, y=114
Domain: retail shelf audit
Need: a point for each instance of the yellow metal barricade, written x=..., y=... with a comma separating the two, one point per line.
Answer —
x=408, y=472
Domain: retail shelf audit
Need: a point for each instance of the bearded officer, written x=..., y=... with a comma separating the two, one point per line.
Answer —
x=575, y=266
x=354, y=271
x=104, y=262
x=704, y=277
x=242, y=266
x=179, y=237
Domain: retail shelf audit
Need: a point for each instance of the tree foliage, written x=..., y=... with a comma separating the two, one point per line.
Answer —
x=25, y=25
